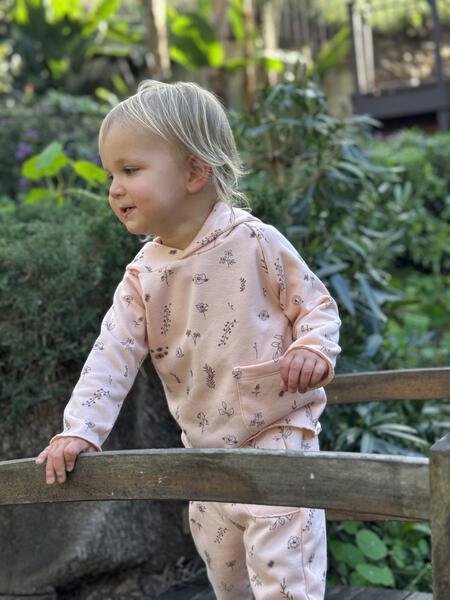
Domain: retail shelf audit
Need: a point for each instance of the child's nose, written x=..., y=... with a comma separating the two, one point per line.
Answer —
x=116, y=189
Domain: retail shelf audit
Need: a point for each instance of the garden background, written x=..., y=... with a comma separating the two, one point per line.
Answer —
x=369, y=213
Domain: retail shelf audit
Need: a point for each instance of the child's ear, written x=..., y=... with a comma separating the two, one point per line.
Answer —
x=198, y=174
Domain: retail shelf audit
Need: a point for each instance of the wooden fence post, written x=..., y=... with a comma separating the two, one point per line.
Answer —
x=440, y=517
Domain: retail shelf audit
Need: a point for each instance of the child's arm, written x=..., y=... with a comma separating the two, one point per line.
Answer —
x=105, y=380
x=309, y=360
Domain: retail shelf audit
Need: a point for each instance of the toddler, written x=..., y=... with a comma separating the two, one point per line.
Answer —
x=241, y=333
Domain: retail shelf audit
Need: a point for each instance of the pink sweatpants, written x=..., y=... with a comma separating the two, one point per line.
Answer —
x=263, y=552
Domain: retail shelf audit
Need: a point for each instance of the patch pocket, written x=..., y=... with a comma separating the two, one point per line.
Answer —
x=262, y=401
x=273, y=439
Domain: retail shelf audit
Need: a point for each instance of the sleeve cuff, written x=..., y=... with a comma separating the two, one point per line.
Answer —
x=61, y=435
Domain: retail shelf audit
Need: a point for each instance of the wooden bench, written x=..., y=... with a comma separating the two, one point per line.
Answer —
x=347, y=485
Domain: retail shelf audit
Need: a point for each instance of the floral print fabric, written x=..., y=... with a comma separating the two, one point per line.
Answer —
x=216, y=319
x=263, y=552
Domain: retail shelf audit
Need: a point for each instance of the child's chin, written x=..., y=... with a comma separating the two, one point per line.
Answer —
x=135, y=230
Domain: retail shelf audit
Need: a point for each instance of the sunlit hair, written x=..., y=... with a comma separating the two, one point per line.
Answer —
x=194, y=121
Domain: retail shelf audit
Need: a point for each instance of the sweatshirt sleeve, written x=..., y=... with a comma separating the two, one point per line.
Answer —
x=111, y=367
x=304, y=299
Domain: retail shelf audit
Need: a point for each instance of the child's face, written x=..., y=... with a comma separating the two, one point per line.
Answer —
x=148, y=181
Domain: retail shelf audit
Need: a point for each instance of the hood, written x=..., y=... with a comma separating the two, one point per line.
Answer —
x=220, y=222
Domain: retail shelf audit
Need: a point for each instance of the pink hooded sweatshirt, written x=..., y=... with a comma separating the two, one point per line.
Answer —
x=216, y=319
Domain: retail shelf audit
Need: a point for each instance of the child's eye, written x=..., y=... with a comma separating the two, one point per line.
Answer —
x=130, y=170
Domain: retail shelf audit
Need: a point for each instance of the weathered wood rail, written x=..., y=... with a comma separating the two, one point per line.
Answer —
x=347, y=485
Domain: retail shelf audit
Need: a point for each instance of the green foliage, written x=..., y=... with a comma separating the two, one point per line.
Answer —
x=66, y=44
x=422, y=197
x=58, y=270
x=391, y=554
x=30, y=124
x=311, y=177
x=53, y=165
x=193, y=42
x=364, y=214
x=334, y=51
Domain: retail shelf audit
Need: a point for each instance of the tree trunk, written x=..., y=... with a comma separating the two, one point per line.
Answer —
x=155, y=20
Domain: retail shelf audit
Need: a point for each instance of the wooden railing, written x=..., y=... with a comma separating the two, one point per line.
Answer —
x=348, y=485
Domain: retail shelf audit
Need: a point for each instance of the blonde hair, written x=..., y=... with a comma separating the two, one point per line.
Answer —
x=191, y=118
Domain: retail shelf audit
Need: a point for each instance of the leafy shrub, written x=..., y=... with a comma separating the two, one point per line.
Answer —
x=58, y=270
x=421, y=198
x=312, y=177
x=390, y=554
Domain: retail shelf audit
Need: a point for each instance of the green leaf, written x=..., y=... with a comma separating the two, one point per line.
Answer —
x=21, y=13
x=193, y=42
x=351, y=169
x=6, y=205
x=89, y=171
x=236, y=19
x=352, y=555
x=350, y=527
x=331, y=268
x=58, y=67
x=46, y=164
x=333, y=52
x=376, y=575
x=272, y=64
x=398, y=554
x=353, y=245
x=371, y=345
x=343, y=291
x=367, y=442
x=357, y=580
x=369, y=294
x=346, y=553
x=37, y=194
x=370, y=544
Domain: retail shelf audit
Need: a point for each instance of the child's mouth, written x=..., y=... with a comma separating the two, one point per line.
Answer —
x=126, y=210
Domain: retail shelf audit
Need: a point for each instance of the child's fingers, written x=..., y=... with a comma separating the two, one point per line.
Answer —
x=73, y=449
x=295, y=368
x=49, y=470
x=42, y=456
x=284, y=370
x=319, y=372
x=56, y=466
x=305, y=375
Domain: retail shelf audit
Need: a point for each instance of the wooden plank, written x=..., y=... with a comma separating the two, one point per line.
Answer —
x=381, y=594
x=341, y=593
x=340, y=515
x=49, y=596
x=404, y=384
x=440, y=517
x=419, y=596
x=368, y=483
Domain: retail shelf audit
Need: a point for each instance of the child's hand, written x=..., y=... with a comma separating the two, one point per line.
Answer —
x=61, y=456
x=302, y=369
